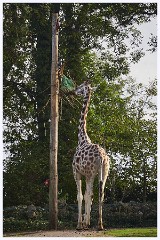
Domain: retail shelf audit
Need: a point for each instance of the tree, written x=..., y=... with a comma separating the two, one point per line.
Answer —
x=136, y=167
x=144, y=145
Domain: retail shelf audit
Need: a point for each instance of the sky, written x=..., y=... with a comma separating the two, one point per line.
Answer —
x=146, y=69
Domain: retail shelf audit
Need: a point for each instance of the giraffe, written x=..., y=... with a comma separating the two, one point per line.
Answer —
x=89, y=160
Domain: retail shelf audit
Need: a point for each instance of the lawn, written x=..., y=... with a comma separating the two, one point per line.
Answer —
x=132, y=232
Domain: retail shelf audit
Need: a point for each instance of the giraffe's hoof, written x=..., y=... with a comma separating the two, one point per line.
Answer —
x=100, y=228
x=79, y=228
x=86, y=227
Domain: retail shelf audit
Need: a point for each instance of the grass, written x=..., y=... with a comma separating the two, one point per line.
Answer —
x=132, y=232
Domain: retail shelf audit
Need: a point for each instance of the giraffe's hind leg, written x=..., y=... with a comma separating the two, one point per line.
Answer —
x=103, y=174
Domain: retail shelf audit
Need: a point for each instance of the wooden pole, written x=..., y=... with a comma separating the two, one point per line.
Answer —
x=53, y=186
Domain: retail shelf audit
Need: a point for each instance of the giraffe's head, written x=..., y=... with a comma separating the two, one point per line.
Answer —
x=84, y=89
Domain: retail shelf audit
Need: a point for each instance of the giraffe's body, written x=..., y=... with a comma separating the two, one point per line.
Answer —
x=89, y=160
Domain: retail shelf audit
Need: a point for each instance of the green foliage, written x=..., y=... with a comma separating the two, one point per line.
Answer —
x=12, y=225
x=24, y=174
x=16, y=219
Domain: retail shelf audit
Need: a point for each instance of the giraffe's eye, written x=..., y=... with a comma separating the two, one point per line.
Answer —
x=80, y=91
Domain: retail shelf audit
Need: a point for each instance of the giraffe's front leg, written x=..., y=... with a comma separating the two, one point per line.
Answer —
x=88, y=202
x=79, y=199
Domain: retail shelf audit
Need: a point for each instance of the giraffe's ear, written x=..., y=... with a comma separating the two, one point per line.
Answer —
x=88, y=81
x=94, y=88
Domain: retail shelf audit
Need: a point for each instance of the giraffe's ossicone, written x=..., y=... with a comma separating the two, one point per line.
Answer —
x=89, y=160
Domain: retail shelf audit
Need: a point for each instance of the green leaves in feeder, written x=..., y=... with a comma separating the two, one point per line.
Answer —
x=67, y=84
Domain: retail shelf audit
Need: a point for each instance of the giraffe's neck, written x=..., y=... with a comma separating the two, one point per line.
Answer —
x=82, y=134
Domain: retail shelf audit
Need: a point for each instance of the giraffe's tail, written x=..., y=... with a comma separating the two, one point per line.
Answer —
x=100, y=224
x=100, y=181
